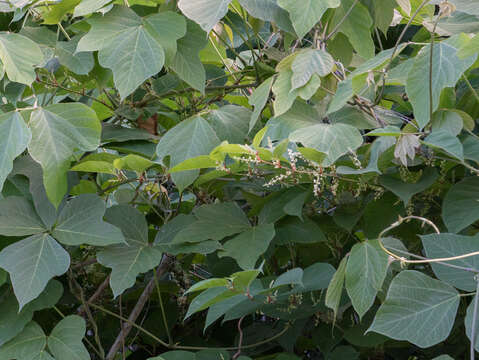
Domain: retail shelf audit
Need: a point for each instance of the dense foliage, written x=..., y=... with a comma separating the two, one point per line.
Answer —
x=239, y=179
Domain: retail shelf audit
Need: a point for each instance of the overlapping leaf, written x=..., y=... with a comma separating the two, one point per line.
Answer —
x=31, y=263
x=14, y=140
x=19, y=56
x=81, y=222
x=136, y=257
x=205, y=12
x=190, y=138
x=416, y=302
x=446, y=70
x=133, y=47
x=305, y=14
x=365, y=273
x=57, y=132
x=334, y=140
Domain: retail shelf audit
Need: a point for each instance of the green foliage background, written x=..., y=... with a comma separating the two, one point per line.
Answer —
x=239, y=179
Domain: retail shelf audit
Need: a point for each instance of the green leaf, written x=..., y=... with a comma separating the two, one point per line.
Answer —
x=14, y=320
x=208, y=284
x=243, y=279
x=99, y=163
x=87, y=7
x=133, y=47
x=258, y=100
x=269, y=10
x=25, y=345
x=450, y=245
x=18, y=217
x=365, y=273
x=469, y=48
x=80, y=222
x=405, y=191
x=276, y=207
x=447, y=120
x=465, y=6
x=357, y=27
x=316, y=277
x=65, y=340
x=416, y=302
x=230, y=123
x=186, y=63
x=299, y=116
x=133, y=162
x=79, y=62
x=137, y=257
x=284, y=93
x=335, y=288
x=118, y=133
x=207, y=13
x=310, y=62
x=297, y=231
x=214, y=222
x=334, y=140
x=58, y=131
x=19, y=57
x=258, y=138
x=468, y=324
x=305, y=14
x=43, y=355
x=207, y=298
x=31, y=263
x=313, y=155
x=53, y=13
x=382, y=12
x=380, y=213
x=471, y=148
x=248, y=246
x=378, y=147
x=14, y=140
x=447, y=68
x=290, y=277
x=188, y=139
x=447, y=142
x=460, y=207
x=199, y=162
x=343, y=93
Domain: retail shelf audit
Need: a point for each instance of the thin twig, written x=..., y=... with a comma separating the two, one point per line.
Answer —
x=431, y=57
x=98, y=292
x=75, y=92
x=240, y=340
x=163, y=313
x=180, y=347
x=336, y=28
x=86, y=309
x=403, y=260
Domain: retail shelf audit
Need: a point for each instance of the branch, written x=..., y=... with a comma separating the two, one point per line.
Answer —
x=336, y=28
x=190, y=89
x=165, y=264
x=75, y=92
